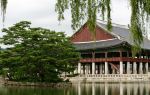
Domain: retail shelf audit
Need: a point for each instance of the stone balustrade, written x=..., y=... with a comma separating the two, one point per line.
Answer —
x=111, y=77
x=115, y=75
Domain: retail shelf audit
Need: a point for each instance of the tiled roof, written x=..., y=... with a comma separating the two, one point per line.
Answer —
x=97, y=44
x=122, y=36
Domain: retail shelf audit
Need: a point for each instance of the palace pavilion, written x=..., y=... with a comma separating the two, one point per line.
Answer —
x=110, y=52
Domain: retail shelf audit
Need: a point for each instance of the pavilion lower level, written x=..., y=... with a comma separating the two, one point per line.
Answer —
x=114, y=65
x=113, y=68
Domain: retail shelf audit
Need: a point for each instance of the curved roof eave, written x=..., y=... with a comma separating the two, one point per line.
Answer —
x=123, y=33
x=97, y=45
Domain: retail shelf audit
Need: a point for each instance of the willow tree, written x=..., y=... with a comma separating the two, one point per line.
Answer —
x=3, y=8
x=89, y=9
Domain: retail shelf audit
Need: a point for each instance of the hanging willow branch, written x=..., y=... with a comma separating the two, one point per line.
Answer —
x=89, y=9
x=140, y=16
x=135, y=28
x=85, y=9
x=3, y=9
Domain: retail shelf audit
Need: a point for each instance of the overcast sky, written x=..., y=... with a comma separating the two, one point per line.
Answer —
x=42, y=14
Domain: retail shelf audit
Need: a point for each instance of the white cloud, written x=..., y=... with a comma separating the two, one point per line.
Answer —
x=121, y=12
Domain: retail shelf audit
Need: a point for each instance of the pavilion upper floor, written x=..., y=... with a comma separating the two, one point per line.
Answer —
x=114, y=55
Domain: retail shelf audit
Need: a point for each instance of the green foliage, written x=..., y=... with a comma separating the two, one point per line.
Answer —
x=3, y=8
x=84, y=9
x=140, y=15
x=37, y=54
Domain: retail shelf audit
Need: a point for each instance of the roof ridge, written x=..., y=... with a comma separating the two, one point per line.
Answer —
x=113, y=24
x=96, y=41
x=106, y=30
x=99, y=22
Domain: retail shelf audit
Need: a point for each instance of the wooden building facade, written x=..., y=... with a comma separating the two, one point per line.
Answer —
x=110, y=52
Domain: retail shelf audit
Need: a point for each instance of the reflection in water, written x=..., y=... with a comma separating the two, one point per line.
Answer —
x=113, y=88
x=83, y=89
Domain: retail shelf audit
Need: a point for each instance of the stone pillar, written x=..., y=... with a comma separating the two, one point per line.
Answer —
x=106, y=64
x=134, y=68
x=121, y=67
x=86, y=68
x=146, y=67
x=93, y=67
x=96, y=69
x=76, y=70
x=106, y=67
x=141, y=68
x=79, y=68
x=89, y=68
x=128, y=68
x=113, y=71
x=101, y=69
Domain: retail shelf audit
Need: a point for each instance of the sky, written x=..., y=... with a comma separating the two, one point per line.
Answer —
x=42, y=14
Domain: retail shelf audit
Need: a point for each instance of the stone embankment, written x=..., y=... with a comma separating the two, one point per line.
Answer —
x=5, y=82
x=53, y=85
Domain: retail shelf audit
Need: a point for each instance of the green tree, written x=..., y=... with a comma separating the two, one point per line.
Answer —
x=88, y=9
x=37, y=54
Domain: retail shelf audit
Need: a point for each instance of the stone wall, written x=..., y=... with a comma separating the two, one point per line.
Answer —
x=53, y=85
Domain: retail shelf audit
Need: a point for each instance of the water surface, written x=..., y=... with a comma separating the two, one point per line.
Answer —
x=82, y=89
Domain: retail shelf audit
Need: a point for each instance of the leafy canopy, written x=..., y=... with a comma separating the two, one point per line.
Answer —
x=37, y=54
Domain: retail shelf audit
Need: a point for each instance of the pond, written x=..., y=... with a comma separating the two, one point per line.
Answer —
x=137, y=88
